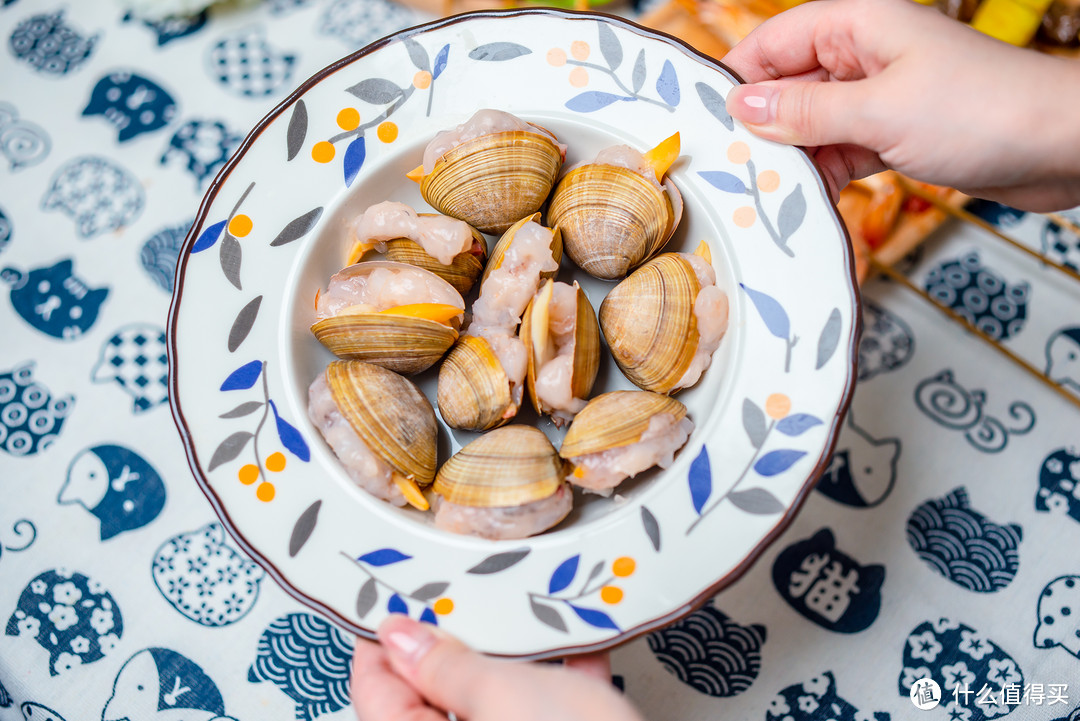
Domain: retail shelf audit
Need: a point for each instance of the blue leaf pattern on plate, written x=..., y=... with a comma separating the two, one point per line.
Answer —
x=592, y=100
x=595, y=618
x=243, y=377
x=775, y=462
x=384, y=557
x=723, y=181
x=667, y=85
x=208, y=237
x=440, y=61
x=700, y=479
x=290, y=437
x=354, y=159
x=397, y=604
x=564, y=574
x=776, y=319
x=797, y=423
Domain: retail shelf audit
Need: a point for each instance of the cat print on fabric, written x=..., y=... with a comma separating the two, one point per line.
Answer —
x=887, y=342
x=171, y=28
x=862, y=472
x=132, y=103
x=30, y=418
x=249, y=66
x=963, y=545
x=709, y=652
x=358, y=22
x=49, y=45
x=1063, y=357
x=1059, y=484
x=204, y=145
x=159, y=684
x=971, y=670
x=21, y=142
x=99, y=195
x=308, y=659
x=816, y=700
x=953, y=406
x=980, y=296
x=117, y=486
x=135, y=358
x=204, y=579
x=160, y=253
x=1058, y=614
x=69, y=615
x=53, y=300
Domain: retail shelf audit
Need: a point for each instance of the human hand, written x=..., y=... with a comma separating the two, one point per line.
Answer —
x=419, y=672
x=869, y=84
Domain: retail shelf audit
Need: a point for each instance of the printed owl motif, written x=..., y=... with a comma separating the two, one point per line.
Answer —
x=814, y=700
x=99, y=195
x=963, y=545
x=1059, y=615
x=710, y=653
x=30, y=418
x=247, y=65
x=117, y=486
x=204, y=579
x=1063, y=357
x=22, y=143
x=135, y=358
x=69, y=615
x=159, y=684
x=308, y=659
x=49, y=45
x=980, y=296
x=53, y=300
x=204, y=145
x=358, y=22
x=862, y=472
x=160, y=253
x=172, y=28
x=827, y=586
x=886, y=344
x=1059, y=484
x=132, y=103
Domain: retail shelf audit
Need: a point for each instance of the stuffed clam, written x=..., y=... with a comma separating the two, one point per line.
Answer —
x=381, y=428
x=482, y=381
x=448, y=247
x=506, y=484
x=664, y=321
x=618, y=210
x=490, y=171
x=392, y=314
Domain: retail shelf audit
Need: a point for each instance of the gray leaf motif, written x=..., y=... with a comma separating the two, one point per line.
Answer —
x=652, y=528
x=756, y=501
x=715, y=104
x=498, y=52
x=229, y=449
x=430, y=590
x=610, y=47
x=377, y=91
x=829, y=339
x=594, y=573
x=499, y=562
x=792, y=212
x=548, y=616
x=297, y=227
x=244, y=320
x=638, y=78
x=230, y=257
x=303, y=528
x=297, y=131
x=366, y=599
x=417, y=54
x=244, y=409
x=753, y=421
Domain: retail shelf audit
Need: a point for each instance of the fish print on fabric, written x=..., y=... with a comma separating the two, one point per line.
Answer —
x=160, y=253
x=69, y=615
x=1058, y=614
x=1060, y=244
x=887, y=342
x=1063, y=357
x=248, y=66
x=22, y=143
x=49, y=45
x=30, y=418
x=204, y=145
x=5, y=230
x=171, y=28
x=132, y=103
x=816, y=700
x=159, y=684
x=204, y=579
x=1059, y=484
x=117, y=486
x=32, y=711
x=827, y=586
x=951, y=405
x=862, y=472
x=980, y=295
x=309, y=660
x=99, y=195
x=53, y=300
x=710, y=653
x=358, y=22
x=135, y=358
x=971, y=670
x=963, y=545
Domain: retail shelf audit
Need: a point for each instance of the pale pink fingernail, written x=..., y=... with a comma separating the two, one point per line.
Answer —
x=405, y=639
x=752, y=104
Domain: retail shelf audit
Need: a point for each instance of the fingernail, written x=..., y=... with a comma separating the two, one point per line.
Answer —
x=753, y=104
x=407, y=640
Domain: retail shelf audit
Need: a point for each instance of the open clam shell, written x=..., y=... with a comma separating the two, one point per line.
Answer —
x=615, y=419
x=474, y=390
x=462, y=273
x=399, y=337
x=499, y=252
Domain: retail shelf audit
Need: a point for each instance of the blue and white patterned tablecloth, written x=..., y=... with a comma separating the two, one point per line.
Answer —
x=941, y=544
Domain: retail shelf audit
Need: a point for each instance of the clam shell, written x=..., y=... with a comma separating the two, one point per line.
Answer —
x=615, y=419
x=507, y=238
x=613, y=219
x=473, y=390
x=494, y=180
x=586, y=345
x=461, y=274
x=390, y=415
x=649, y=323
x=509, y=466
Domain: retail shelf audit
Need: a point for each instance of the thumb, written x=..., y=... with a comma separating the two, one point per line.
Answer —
x=442, y=669
x=800, y=112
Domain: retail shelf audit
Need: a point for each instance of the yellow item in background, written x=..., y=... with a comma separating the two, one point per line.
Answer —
x=1013, y=21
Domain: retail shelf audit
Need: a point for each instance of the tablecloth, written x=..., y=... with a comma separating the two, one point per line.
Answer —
x=939, y=546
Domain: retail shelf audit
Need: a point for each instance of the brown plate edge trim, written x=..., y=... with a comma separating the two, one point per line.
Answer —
x=624, y=636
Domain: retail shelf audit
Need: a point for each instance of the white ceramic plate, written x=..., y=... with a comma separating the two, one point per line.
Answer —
x=271, y=231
